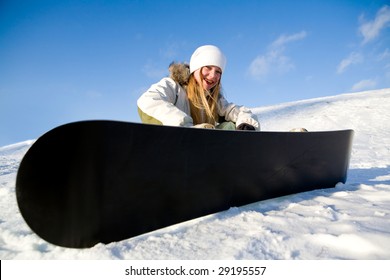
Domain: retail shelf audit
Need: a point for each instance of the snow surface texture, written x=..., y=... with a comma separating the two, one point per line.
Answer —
x=351, y=221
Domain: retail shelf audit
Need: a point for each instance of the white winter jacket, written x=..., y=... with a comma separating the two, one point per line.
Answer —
x=166, y=103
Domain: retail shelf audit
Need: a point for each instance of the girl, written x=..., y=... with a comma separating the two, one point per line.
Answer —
x=191, y=96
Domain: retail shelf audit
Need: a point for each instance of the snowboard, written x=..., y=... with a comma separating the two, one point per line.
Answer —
x=93, y=182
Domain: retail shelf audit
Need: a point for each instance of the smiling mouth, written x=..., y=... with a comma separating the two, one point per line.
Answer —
x=209, y=82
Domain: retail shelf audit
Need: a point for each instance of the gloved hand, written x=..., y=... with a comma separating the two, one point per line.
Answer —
x=245, y=126
x=298, y=130
x=205, y=125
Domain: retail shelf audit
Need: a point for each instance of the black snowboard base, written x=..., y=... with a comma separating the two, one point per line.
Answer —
x=102, y=181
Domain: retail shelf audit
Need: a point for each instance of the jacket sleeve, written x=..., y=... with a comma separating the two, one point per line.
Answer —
x=237, y=114
x=158, y=103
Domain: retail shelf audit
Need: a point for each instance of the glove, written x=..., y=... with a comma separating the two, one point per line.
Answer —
x=245, y=126
x=298, y=130
x=205, y=125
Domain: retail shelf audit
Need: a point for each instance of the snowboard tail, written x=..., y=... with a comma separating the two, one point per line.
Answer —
x=102, y=181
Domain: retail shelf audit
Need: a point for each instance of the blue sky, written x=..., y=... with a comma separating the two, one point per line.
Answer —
x=64, y=61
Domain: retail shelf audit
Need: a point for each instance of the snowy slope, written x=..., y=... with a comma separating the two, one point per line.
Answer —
x=351, y=221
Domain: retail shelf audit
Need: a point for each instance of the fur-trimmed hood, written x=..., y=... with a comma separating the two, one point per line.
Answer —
x=179, y=72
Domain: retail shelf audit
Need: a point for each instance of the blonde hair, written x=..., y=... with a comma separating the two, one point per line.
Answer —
x=203, y=103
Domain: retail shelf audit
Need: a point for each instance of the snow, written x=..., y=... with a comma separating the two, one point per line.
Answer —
x=350, y=221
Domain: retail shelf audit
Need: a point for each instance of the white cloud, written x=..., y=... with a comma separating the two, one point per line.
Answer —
x=371, y=29
x=309, y=78
x=171, y=50
x=271, y=62
x=384, y=55
x=274, y=60
x=153, y=71
x=284, y=39
x=259, y=66
x=364, y=85
x=353, y=58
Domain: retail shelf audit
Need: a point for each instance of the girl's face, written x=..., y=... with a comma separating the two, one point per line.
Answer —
x=208, y=76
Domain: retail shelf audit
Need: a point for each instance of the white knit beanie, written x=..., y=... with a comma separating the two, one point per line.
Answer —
x=207, y=55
